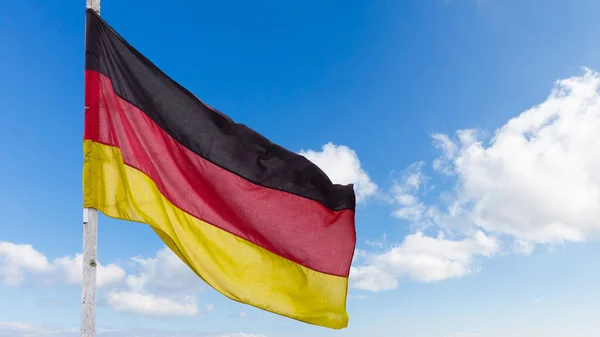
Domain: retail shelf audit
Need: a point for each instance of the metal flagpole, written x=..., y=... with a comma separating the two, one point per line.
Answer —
x=90, y=247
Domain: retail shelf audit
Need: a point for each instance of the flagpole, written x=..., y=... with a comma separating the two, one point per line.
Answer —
x=90, y=247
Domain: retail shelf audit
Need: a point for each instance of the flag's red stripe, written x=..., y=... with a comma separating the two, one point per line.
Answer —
x=297, y=228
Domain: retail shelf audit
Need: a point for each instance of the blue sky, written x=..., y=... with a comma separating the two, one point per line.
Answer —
x=468, y=127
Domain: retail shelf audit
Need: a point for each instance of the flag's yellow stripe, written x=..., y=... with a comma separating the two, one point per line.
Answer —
x=235, y=267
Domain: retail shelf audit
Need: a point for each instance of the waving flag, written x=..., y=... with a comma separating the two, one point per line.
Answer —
x=262, y=225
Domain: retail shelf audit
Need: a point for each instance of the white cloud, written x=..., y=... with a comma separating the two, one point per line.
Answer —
x=16, y=259
x=380, y=243
x=164, y=274
x=72, y=266
x=523, y=247
x=373, y=278
x=403, y=194
x=422, y=258
x=342, y=166
x=151, y=305
x=16, y=329
x=537, y=179
x=448, y=148
x=162, y=286
x=534, y=182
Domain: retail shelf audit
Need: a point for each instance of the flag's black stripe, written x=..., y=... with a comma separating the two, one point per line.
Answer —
x=202, y=129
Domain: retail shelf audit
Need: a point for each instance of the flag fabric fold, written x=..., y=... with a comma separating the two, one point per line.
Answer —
x=260, y=224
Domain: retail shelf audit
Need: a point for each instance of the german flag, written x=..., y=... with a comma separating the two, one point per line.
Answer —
x=260, y=224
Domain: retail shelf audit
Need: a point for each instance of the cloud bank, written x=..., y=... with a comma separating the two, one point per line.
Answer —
x=533, y=182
